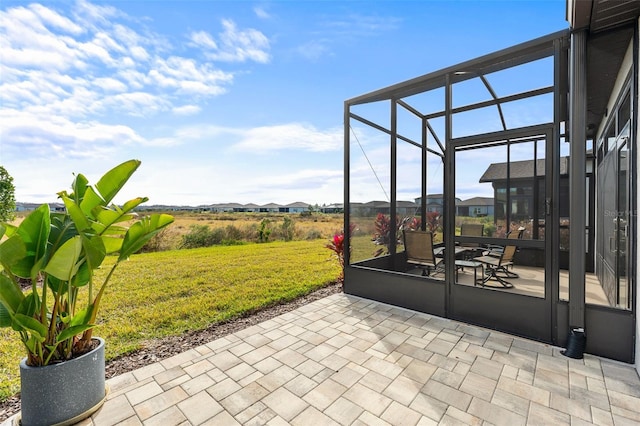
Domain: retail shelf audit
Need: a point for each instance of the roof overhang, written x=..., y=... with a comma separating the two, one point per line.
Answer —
x=605, y=54
x=610, y=26
x=600, y=15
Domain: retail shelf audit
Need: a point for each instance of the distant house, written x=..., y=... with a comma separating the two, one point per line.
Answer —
x=57, y=207
x=26, y=207
x=525, y=180
x=435, y=202
x=270, y=208
x=250, y=207
x=297, y=207
x=332, y=208
x=475, y=207
x=224, y=207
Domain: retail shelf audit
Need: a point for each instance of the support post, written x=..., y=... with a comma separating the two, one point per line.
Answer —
x=577, y=185
x=449, y=195
x=347, y=182
x=393, y=209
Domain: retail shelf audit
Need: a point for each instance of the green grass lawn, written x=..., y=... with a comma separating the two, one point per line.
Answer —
x=155, y=295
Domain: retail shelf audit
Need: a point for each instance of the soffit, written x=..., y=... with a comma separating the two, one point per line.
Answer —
x=605, y=54
x=600, y=15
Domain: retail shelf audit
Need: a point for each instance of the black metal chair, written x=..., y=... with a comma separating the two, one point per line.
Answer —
x=496, y=267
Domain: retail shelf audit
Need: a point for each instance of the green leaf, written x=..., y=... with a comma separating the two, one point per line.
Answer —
x=76, y=213
x=65, y=318
x=83, y=276
x=141, y=232
x=10, y=294
x=95, y=250
x=113, y=181
x=63, y=263
x=108, y=216
x=12, y=250
x=70, y=332
x=5, y=317
x=56, y=285
x=115, y=231
x=112, y=245
x=90, y=201
x=31, y=343
x=79, y=186
x=9, y=229
x=80, y=318
x=105, y=217
x=29, y=305
x=34, y=232
x=132, y=204
x=33, y=326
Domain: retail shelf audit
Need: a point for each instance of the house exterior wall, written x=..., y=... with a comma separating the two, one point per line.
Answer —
x=476, y=211
x=627, y=65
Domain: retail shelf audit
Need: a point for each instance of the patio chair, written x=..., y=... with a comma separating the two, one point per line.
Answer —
x=499, y=265
x=471, y=230
x=418, y=247
x=496, y=250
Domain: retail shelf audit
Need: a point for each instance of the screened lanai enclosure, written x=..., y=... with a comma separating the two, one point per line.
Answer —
x=480, y=155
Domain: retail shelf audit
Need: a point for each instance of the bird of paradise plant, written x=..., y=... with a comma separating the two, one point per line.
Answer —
x=58, y=253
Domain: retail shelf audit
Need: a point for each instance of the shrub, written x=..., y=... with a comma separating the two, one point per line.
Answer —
x=167, y=239
x=288, y=228
x=313, y=234
x=200, y=236
x=233, y=233
x=264, y=231
x=489, y=230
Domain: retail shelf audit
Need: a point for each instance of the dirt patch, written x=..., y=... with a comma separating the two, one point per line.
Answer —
x=158, y=350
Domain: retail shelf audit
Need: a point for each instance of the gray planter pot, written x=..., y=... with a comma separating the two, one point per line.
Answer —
x=63, y=393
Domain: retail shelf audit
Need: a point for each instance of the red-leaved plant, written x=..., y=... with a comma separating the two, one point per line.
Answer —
x=382, y=226
x=433, y=221
x=382, y=235
x=336, y=244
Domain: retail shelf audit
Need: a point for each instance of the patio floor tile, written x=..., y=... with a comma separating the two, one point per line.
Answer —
x=350, y=361
x=199, y=408
x=285, y=404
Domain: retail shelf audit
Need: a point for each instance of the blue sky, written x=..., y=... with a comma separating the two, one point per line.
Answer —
x=223, y=101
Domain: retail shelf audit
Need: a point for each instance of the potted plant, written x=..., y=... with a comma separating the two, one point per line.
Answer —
x=57, y=253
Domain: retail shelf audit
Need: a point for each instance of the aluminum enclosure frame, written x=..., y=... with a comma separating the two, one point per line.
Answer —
x=379, y=279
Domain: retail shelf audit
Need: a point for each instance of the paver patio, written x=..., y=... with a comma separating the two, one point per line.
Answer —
x=344, y=360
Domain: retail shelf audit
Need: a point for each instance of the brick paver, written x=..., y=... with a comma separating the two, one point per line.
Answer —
x=344, y=360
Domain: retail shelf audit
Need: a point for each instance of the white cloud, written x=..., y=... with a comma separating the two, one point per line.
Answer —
x=294, y=136
x=138, y=104
x=361, y=25
x=110, y=84
x=187, y=76
x=57, y=137
x=67, y=74
x=261, y=12
x=56, y=20
x=314, y=50
x=259, y=140
x=234, y=45
x=186, y=110
x=307, y=185
x=202, y=39
x=334, y=30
